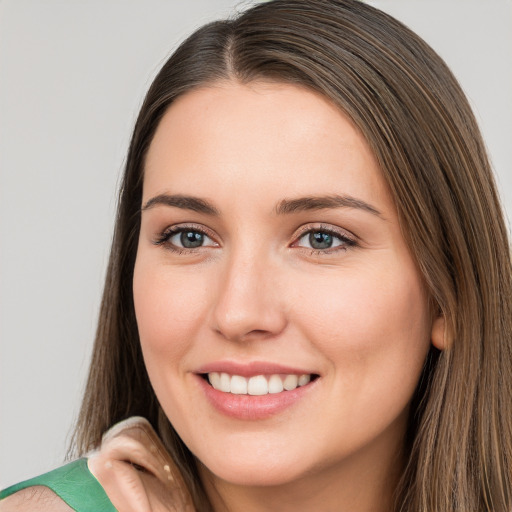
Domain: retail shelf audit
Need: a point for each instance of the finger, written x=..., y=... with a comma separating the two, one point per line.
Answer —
x=141, y=445
x=122, y=484
x=135, y=441
x=127, y=449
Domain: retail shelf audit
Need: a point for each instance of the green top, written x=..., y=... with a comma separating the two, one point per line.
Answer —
x=74, y=484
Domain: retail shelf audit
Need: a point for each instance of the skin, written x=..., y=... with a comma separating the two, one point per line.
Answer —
x=36, y=498
x=356, y=314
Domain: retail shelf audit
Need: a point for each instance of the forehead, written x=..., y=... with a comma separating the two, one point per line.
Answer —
x=268, y=136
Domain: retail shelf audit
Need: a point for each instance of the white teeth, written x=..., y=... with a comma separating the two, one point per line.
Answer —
x=238, y=385
x=225, y=383
x=304, y=379
x=290, y=382
x=275, y=384
x=214, y=379
x=257, y=385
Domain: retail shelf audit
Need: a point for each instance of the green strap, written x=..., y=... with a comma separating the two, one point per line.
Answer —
x=74, y=484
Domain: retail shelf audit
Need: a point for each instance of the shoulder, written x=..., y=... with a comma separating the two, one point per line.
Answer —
x=37, y=498
x=69, y=487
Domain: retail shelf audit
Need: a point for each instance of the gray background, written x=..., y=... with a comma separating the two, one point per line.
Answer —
x=72, y=77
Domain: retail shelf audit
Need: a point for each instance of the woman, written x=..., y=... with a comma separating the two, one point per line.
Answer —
x=308, y=296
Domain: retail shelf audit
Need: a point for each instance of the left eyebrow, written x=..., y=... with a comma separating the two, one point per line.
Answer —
x=180, y=201
x=301, y=204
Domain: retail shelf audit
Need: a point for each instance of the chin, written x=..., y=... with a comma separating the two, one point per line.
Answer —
x=253, y=464
x=254, y=474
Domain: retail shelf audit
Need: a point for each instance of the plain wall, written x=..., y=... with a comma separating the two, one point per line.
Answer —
x=72, y=77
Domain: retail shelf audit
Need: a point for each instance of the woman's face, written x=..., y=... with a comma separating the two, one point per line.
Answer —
x=271, y=255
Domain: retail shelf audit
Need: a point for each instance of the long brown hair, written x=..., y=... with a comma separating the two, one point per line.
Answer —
x=412, y=112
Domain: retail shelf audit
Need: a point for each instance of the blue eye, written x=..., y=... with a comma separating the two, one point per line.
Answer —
x=323, y=240
x=188, y=239
x=319, y=240
x=179, y=238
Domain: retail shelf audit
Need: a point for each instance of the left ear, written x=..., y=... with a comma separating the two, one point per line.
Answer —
x=438, y=333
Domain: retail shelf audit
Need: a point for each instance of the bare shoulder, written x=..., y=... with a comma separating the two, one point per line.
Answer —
x=37, y=498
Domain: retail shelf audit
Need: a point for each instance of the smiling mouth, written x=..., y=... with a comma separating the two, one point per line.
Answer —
x=257, y=385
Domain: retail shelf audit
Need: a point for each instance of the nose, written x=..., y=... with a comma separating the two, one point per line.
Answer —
x=248, y=302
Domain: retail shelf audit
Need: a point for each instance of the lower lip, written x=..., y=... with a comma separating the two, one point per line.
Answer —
x=249, y=407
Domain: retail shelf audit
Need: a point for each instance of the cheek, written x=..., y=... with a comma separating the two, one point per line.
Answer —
x=168, y=305
x=373, y=326
x=351, y=306
x=373, y=329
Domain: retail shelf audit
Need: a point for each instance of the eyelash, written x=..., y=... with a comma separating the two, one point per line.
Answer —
x=346, y=241
x=164, y=237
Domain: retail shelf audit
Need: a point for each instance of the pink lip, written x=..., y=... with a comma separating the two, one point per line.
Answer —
x=250, y=369
x=247, y=407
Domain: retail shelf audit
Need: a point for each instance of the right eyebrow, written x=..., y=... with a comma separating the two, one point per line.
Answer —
x=184, y=202
x=301, y=204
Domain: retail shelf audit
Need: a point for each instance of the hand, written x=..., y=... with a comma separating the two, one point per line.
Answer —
x=137, y=472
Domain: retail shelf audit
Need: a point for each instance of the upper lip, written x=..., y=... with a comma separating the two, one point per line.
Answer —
x=252, y=368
